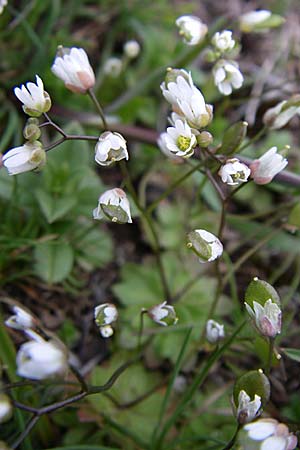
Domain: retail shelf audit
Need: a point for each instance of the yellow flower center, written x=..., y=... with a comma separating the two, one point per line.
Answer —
x=183, y=143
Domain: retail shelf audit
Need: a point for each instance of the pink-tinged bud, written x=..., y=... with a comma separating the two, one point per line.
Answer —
x=72, y=66
x=264, y=169
x=267, y=434
x=267, y=318
x=113, y=205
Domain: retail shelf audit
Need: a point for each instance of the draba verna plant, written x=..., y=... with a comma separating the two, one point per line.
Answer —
x=149, y=233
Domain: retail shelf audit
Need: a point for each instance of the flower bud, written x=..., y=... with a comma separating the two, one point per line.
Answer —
x=21, y=320
x=247, y=409
x=205, y=244
x=113, y=67
x=31, y=131
x=204, y=139
x=264, y=169
x=267, y=318
x=114, y=205
x=106, y=331
x=132, y=49
x=105, y=314
x=111, y=147
x=254, y=383
x=259, y=21
x=223, y=41
x=192, y=29
x=3, y=3
x=29, y=156
x=233, y=172
x=163, y=314
x=278, y=116
x=214, y=331
x=173, y=74
x=6, y=409
x=35, y=100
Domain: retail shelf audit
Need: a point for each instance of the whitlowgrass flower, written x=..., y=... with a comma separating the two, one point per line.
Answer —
x=223, y=41
x=254, y=20
x=278, y=116
x=21, y=320
x=214, y=331
x=106, y=331
x=3, y=3
x=227, y=76
x=180, y=139
x=248, y=409
x=186, y=100
x=163, y=314
x=113, y=205
x=162, y=144
x=192, y=29
x=264, y=169
x=105, y=314
x=6, y=409
x=35, y=99
x=233, y=172
x=132, y=49
x=205, y=244
x=267, y=318
x=111, y=147
x=113, y=67
x=72, y=66
x=39, y=360
x=25, y=158
x=266, y=434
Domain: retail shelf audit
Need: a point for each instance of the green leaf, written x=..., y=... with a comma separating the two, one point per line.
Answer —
x=53, y=261
x=94, y=247
x=292, y=353
x=54, y=208
x=253, y=382
x=233, y=138
x=260, y=291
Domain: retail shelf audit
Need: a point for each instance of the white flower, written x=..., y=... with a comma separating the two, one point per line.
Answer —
x=28, y=157
x=269, y=434
x=3, y=3
x=113, y=67
x=227, y=76
x=72, y=66
x=6, y=409
x=267, y=318
x=192, y=29
x=163, y=314
x=105, y=314
x=114, y=205
x=233, y=172
x=223, y=41
x=214, y=331
x=35, y=100
x=106, y=331
x=247, y=409
x=21, y=320
x=180, y=140
x=111, y=147
x=205, y=244
x=264, y=169
x=249, y=21
x=132, y=49
x=40, y=360
x=278, y=116
x=186, y=99
x=162, y=143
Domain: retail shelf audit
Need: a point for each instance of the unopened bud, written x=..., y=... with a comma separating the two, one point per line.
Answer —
x=173, y=74
x=6, y=409
x=205, y=244
x=204, y=139
x=163, y=314
x=31, y=130
x=105, y=314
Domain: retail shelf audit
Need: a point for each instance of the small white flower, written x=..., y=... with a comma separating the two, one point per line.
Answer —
x=28, y=157
x=113, y=67
x=264, y=169
x=186, y=99
x=35, y=100
x=40, y=360
x=3, y=3
x=162, y=143
x=269, y=434
x=132, y=49
x=163, y=314
x=278, y=116
x=105, y=314
x=205, y=244
x=214, y=331
x=233, y=172
x=249, y=21
x=180, y=140
x=114, y=205
x=111, y=147
x=223, y=41
x=247, y=409
x=6, y=409
x=21, y=320
x=72, y=66
x=192, y=29
x=267, y=318
x=227, y=76
x=106, y=331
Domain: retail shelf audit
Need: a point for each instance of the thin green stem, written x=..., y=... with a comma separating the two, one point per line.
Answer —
x=233, y=439
x=141, y=329
x=98, y=107
x=270, y=356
